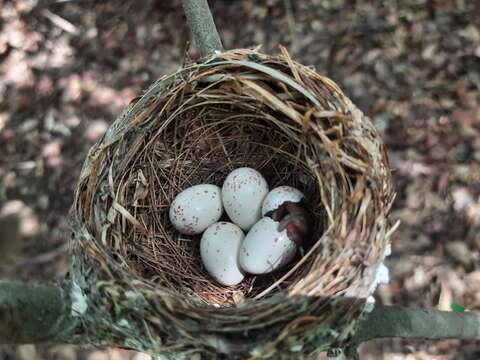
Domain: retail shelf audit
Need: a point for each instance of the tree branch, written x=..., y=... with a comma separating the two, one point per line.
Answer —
x=30, y=314
x=202, y=26
x=395, y=321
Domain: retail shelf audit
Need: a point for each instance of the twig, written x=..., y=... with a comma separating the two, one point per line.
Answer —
x=60, y=22
x=202, y=26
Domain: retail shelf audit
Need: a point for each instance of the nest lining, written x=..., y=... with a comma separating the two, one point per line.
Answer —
x=240, y=108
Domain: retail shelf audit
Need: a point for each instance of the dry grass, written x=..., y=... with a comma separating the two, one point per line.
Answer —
x=240, y=108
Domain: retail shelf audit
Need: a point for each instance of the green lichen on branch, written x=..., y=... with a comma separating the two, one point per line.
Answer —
x=202, y=26
x=30, y=314
x=395, y=321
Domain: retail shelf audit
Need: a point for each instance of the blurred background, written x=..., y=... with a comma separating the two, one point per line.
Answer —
x=69, y=67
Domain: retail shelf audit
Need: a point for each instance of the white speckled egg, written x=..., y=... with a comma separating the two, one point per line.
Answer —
x=278, y=196
x=242, y=193
x=265, y=249
x=219, y=252
x=196, y=208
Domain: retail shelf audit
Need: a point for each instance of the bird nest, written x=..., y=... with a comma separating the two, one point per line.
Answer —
x=142, y=283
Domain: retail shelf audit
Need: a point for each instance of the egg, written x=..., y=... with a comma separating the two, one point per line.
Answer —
x=219, y=249
x=278, y=196
x=242, y=193
x=196, y=208
x=265, y=249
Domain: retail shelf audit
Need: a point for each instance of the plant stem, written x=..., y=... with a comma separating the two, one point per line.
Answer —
x=203, y=28
x=30, y=314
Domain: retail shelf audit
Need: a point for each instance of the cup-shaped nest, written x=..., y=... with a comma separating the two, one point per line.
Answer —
x=143, y=283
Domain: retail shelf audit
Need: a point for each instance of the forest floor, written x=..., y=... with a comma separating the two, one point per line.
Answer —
x=68, y=68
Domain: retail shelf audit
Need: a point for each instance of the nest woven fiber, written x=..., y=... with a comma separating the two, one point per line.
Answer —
x=144, y=282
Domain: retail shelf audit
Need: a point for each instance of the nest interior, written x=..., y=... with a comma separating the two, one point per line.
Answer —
x=238, y=108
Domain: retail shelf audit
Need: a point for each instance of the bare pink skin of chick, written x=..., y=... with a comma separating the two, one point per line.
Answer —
x=295, y=219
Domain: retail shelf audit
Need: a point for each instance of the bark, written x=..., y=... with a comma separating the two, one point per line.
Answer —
x=202, y=26
x=409, y=323
x=31, y=314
